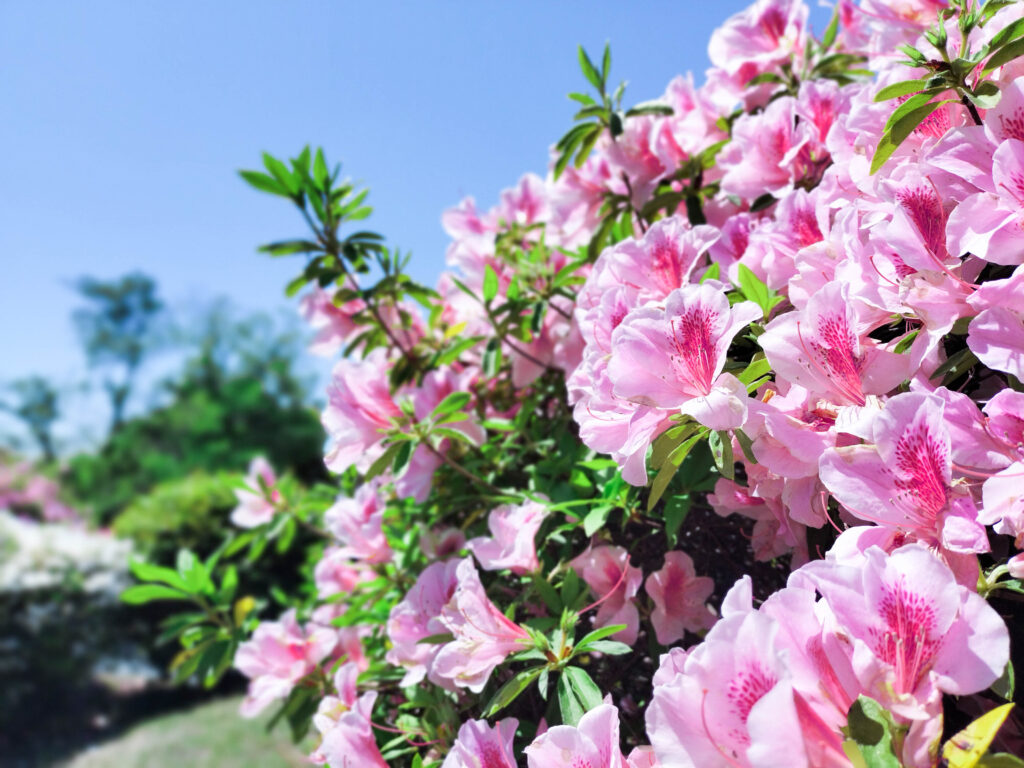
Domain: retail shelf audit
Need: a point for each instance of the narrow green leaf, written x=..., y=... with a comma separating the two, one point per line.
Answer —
x=831, y=31
x=511, y=690
x=584, y=687
x=456, y=401
x=903, y=88
x=264, y=183
x=598, y=634
x=145, y=593
x=490, y=283
x=676, y=510
x=589, y=70
x=720, y=443
x=668, y=470
x=891, y=139
x=869, y=728
x=608, y=648
x=320, y=172
x=569, y=705
x=606, y=64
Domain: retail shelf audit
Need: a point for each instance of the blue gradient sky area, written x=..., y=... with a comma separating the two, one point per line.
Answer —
x=125, y=123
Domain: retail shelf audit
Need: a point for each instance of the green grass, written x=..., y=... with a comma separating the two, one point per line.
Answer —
x=210, y=735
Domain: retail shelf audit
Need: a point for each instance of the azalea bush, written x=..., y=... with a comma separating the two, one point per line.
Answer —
x=707, y=449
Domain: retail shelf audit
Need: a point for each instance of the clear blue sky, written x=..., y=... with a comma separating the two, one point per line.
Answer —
x=125, y=122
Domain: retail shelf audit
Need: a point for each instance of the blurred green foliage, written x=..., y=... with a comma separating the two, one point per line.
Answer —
x=238, y=396
x=190, y=512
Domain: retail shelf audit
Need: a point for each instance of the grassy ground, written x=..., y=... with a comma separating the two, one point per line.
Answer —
x=210, y=735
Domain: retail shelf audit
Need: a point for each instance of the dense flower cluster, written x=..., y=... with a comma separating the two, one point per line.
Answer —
x=765, y=275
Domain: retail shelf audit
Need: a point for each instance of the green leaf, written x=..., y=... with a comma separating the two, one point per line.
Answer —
x=869, y=728
x=711, y=273
x=598, y=634
x=892, y=138
x=721, y=451
x=1000, y=760
x=1010, y=32
x=905, y=343
x=144, y=571
x=145, y=593
x=758, y=367
x=903, y=88
x=402, y=457
x=490, y=283
x=649, y=109
x=956, y=364
x=438, y=639
x=676, y=510
x=608, y=647
x=595, y=519
x=456, y=401
x=1006, y=684
x=831, y=31
x=583, y=686
x=986, y=95
x=320, y=172
x=289, y=247
x=589, y=70
x=511, y=690
x=280, y=172
x=382, y=463
x=264, y=183
x=606, y=64
x=746, y=445
x=582, y=98
x=569, y=705
x=753, y=289
x=669, y=468
x=192, y=571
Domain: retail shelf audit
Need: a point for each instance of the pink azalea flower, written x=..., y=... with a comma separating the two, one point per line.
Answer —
x=759, y=38
x=334, y=324
x=825, y=348
x=672, y=357
x=922, y=631
x=593, y=742
x=481, y=746
x=359, y=408
x=280, y=654
x=484, y=637
x=660, y=262
x=511, y=543
x=336, y=573
x=613, y=582
x=257, y=506
x=709, y=714
x=347, y=739
x=996, y=335
x=357, y=523
x=679, y=597
x=991, y=225
x=418, y=616
x=904, y=480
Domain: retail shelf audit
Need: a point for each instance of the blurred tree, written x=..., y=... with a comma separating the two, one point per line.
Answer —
x=116, y=331
x=36, y=405
x=238, y=396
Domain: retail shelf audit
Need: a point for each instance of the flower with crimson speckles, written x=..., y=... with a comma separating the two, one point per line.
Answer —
x=904, y=480
x=672, y=358
x=481, y=746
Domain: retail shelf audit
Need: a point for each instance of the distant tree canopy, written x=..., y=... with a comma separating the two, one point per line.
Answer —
x=238, y=396
x=116, y=331
x=36, y=404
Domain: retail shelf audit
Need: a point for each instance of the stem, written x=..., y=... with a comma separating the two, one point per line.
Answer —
x=972, y=109
x=462, y=470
